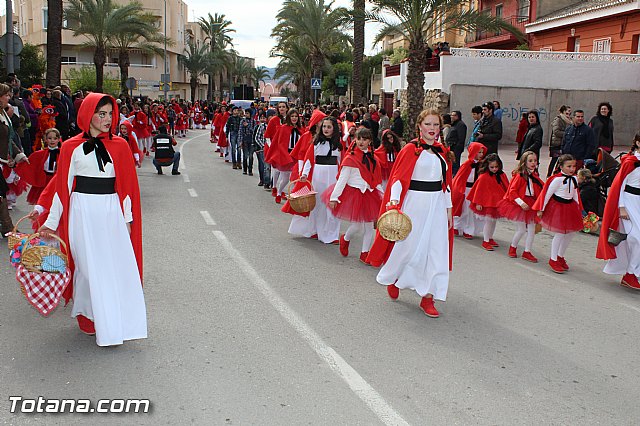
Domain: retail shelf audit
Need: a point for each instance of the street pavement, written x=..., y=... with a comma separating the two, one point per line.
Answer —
x=249, y=325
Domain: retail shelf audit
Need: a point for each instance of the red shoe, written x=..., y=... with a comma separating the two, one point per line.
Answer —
x=556, y=266
x=467, y=236
x=335, y=242
x=393, y=291
x=278, y=199
x=274, y=191
x=530, y=257
x=487, y=246
x=631, y=281
x=563, y=263
x=314, y=237
x=493, y=243
x=428, y=308
x=456, y=232
x=363, y=257
x=344, y=246
x=86, y=325
x=221, y=155
x=513, y=251
x=226, y=161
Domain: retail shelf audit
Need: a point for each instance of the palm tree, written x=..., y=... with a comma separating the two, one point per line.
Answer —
x=294, y=67
x=315, y=23
x=358, y=49
x=54, y=42
x=217, y=29
x=145, y=38
x=99, y=21
x=259, y=74
x=415, y=18
x=195, y=60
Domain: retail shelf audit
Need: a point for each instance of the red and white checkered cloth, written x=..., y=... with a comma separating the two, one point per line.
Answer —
x=43, y=289
x=302, y=192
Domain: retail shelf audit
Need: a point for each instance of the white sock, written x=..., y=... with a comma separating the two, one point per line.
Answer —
x=521, y=229
x=489, y=228
x=367, y=238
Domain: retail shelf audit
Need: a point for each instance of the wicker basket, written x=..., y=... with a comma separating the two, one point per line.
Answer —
x=394, y=225
x=301, y=203
x=14, y=237
x=32, y=255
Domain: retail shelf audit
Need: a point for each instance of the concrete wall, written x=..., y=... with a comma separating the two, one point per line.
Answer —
x=515, y=100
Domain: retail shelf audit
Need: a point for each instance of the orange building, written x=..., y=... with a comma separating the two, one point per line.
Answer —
x=598, y=26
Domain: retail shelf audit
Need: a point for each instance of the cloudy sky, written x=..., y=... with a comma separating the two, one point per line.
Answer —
x=253, y=21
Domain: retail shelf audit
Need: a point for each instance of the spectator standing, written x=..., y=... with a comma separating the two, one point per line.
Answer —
x=258, y=147
x=533, y=138
x=233, y=127
x=372, y=125
x=457, y=138
x=490, y=129
x=397, y=125
x=579, y=139
x=602, y=126
x=245, y=135
x=375, y=116
x=27, y=100
x=62, y=119
x=523, y=126
x=66, y=98
x=446, y=128
x=476, y=114
x=497, y=110
x=384, y=122
x=558, y=127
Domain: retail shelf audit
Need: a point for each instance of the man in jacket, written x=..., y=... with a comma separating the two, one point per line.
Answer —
x=165, y=156
x=579, y=139
x=457, y=137
x=233, y=128
x=490, y=129
x=397, y=125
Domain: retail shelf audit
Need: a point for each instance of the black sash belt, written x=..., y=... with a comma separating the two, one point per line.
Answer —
x=425, y=186
x=632, y=190
x=562, y=200
x=327, y=161
x=49, y=173
x=470, y=184
x=92, y=185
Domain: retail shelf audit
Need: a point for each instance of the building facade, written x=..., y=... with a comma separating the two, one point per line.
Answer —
x=516, y=12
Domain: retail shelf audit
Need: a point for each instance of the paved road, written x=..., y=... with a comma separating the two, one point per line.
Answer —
x=248, y=325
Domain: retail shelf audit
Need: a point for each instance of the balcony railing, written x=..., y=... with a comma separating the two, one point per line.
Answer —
x=392, y=70
x=517, y=21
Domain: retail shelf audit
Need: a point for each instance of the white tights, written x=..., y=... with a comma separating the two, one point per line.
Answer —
x=283, y=182
x=521, y=229
x=147, y=143
x=366, y=228
x=559, y=244
x=489, y=228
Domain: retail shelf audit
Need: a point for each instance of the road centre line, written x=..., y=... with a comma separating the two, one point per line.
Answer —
x=183, y=160
x=635, y=308
x=354, y=380
x=192, y=192
x=185, y=178
x=207, y=218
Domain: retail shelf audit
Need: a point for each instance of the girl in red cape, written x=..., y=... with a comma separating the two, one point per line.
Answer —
x=321, y=168
x=465, y=221
x=622, y=214
x=386, y=154
x=220, y=136
x=126, y=133
x=357, y=195
x=95, y=209
x=485, y=195
x=560, y=210
x=419, y=185
x=273, y=126
x=282, y=144
x=141, y=128
x=42, y=165
x=517, y=204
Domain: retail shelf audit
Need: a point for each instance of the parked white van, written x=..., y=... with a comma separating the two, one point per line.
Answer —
x=274, y=100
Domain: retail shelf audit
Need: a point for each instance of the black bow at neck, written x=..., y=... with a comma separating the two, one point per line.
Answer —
x=368, y=160
x=433, y=148
x=96, y=145
x=443, y=164
x=498, y=176
x=53, y=158
x=527, y=175
x=570, y=179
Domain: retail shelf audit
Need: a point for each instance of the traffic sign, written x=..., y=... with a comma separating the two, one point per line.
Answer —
x=131, y=83
x=316, y=83
x=342, y=81
x=165, y=78
x=17, y=44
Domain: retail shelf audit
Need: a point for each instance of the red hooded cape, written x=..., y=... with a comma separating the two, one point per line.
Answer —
x=219, y=129
x=372, y=177
x=538, y=205
x=402, y=171
x=279, y=156
x=133, y=145
x=611, y=218
x=487, y=192
x=459, y=186
x=126, y=179
x=382, y=157
x=33, y=172
x=518, y=187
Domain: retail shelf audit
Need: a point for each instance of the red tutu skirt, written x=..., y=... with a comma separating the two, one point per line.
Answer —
x=354, y=206
x=486, y=211
x=512, y=211
x=562, y=218
x=141, y=133
x=18, y=187
x=386, y=172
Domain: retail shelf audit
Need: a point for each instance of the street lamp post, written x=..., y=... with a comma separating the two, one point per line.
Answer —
x=164, y=79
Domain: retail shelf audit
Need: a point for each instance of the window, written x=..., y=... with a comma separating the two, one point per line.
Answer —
x=45, y=17
x=524, y=7
x=573, y=44
x=602, y=45
x=499, y=9
x=68, y=59
x=635, y=41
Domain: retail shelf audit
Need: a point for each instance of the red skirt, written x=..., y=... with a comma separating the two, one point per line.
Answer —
x=512, y=211
x=354, y=206
x=486, y=211
x=386, y=172
x=18, y=187
x=562, y=218
x=141, y=132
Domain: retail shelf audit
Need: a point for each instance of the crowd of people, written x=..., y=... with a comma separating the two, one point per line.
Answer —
x=357, y=161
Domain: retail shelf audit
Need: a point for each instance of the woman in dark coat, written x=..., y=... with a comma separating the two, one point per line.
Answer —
x=602, y=126
x=533, y=137
x=62, y=119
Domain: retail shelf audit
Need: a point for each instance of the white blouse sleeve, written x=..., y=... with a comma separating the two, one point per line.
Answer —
x=447, y=200
x=553, y=187
x=396, y=190
x=341, y=183
x=126, y=209
x=306, y=169
x=55, y=212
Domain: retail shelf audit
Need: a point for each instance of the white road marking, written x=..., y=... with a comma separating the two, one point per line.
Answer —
x=354, y=380
x=192, y=192
x=185, y=178
x=183, y=161
x=539, y=272
x=635, y=308
x=207, y=218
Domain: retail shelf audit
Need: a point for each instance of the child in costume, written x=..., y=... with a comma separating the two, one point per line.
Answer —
x=622, y=214
x=272, y=129
x=517, y=204
x=282, y=144
x=464, y=220
x=419, y=185
x=357, y=195
x=127, y=133
x=485, y=195
x=386, y=154
x=42, y=165
x=560, y=210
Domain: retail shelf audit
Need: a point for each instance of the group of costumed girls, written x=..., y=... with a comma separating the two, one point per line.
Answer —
x=86, y=191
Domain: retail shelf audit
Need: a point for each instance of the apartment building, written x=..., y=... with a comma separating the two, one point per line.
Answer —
x=516, y=12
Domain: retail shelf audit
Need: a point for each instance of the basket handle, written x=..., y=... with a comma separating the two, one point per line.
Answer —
x=15, y=227
x=289, y=187
x=37, y=234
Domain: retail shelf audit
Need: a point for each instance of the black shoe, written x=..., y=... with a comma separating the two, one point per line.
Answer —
x=250, y=173
x=175, y=172
x=160, y=172
x=260, y=184
x=244, y=173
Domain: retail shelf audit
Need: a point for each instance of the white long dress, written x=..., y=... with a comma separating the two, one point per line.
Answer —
x=468, y=222
x=421, y=262
x=326, y=225
x=628, y=252
x=106, y=282
x=301, y=225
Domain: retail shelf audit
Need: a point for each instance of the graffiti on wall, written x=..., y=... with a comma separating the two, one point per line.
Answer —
x=515, y=112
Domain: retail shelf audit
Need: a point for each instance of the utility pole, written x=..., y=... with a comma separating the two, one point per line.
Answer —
x=9, y=56
x=165, y=83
